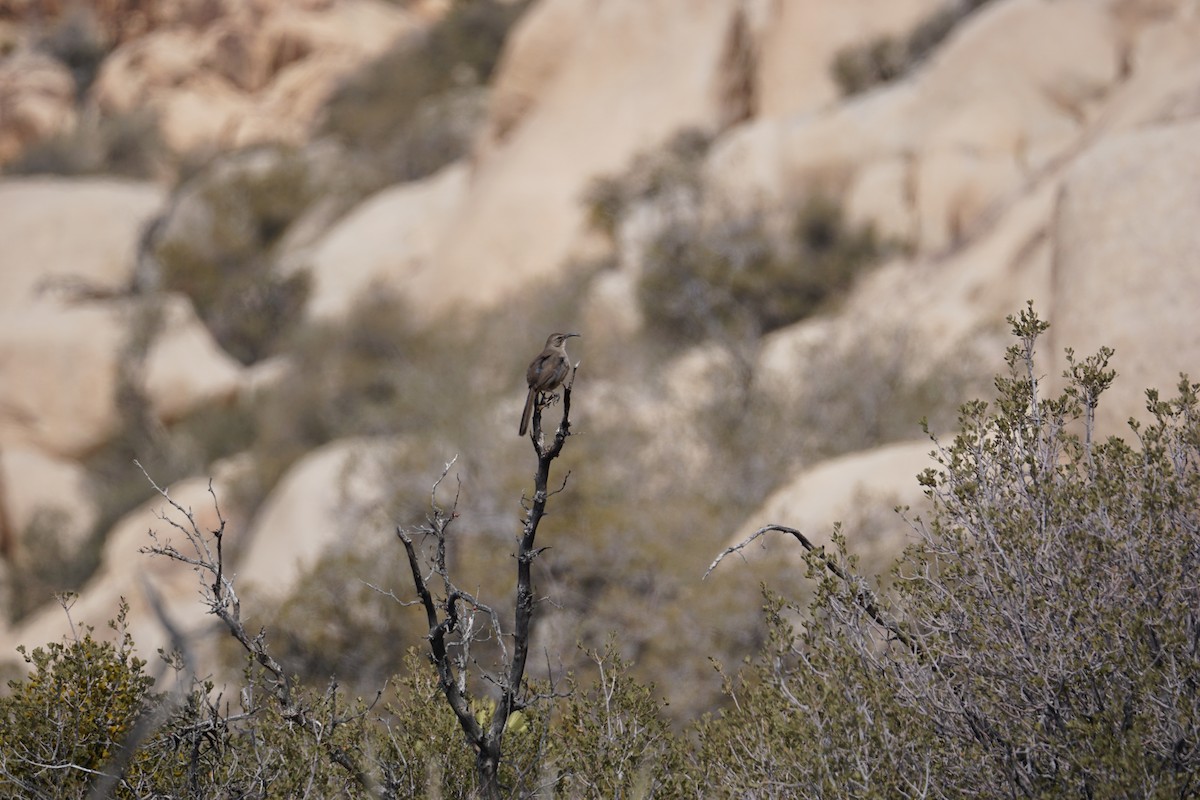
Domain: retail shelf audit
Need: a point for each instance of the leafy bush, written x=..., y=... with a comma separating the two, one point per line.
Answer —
x=417, y=107
x=127, y=144
x=860, y=67
x=1039, y=636
x=216, y=245
x=612, y=740
x=71, y=714
x=731, y=278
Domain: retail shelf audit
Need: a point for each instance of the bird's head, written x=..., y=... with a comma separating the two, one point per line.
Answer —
x=559, y=339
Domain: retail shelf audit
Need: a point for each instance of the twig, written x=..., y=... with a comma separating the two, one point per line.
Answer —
x=863, y=596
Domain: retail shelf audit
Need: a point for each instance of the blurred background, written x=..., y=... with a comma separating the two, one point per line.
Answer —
x=305, y=249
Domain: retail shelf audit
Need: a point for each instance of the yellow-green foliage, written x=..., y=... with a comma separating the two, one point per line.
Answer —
x=70, y=715
x=611, y=740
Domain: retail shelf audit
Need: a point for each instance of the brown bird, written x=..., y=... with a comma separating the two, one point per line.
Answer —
x=546, y=372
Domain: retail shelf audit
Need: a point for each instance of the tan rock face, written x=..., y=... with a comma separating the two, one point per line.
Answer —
x=384, y=242
x=255, y=72
x=1008, y=93
x=36, y=488
x=185, y=368
x=1126, y=273
x=552, y=132
x=60, y=240
x=74, y=234
x=800, y=39
x=58, y=370
x=836, y=491
x=318, y=502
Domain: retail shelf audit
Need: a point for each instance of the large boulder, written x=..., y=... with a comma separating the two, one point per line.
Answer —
x=1007, y=95
x=383, y=242
x=42, y=493
x=73, y=234
x=1125, y=268
x=185, y=368
x=126, y=572
x=588, y=111
x=799, y=42
x=59, y=373
x=842, y=489
x=321, y=501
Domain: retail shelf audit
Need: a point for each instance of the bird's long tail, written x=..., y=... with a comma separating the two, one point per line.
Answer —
x=528, y=410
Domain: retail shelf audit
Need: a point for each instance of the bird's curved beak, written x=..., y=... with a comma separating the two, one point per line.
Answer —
x=569, y=335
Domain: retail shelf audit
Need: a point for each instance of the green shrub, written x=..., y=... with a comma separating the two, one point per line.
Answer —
x=127, y=144
x=417, y=107
x=66, y=719
x=612, y=740
x=1042, y=625
x=217, y=246
x=731, y=278
x=860, y=67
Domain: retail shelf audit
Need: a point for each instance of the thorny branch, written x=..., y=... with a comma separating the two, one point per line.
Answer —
x=446, y=618
x=863, y=596
x=204, y=553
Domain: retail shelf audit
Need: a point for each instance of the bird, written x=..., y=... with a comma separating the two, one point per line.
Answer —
x=546, y=372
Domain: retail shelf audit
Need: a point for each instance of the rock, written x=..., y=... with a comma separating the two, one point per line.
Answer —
x=46, y=349
x=78, y=235
x=319, y=502
x=254, y=73
x=1165, y=69
x=523, y=209
x=1009, y=93
x=384, y=242
x=1125, y=276
x=799, y=42
x=58, y=370
x=185, y=368
x=37, y=100
x=838, y=490
x=37, y=489
x=125, y=572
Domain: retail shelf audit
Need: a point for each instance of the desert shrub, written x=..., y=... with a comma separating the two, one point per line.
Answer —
x=417, y=107
x=128, y=144
x=70, y=714
x=669, y=175
x=424, y=754
x=731, y=278
x=79, y=41
x=217, y=246
x=50, y=562
x=1039, y=632
x=612, y=740
x=859, y=67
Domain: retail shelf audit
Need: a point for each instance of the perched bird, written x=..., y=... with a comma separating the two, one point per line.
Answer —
x=546, y=372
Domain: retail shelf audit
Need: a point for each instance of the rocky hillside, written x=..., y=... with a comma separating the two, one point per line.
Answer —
x=306, y=249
